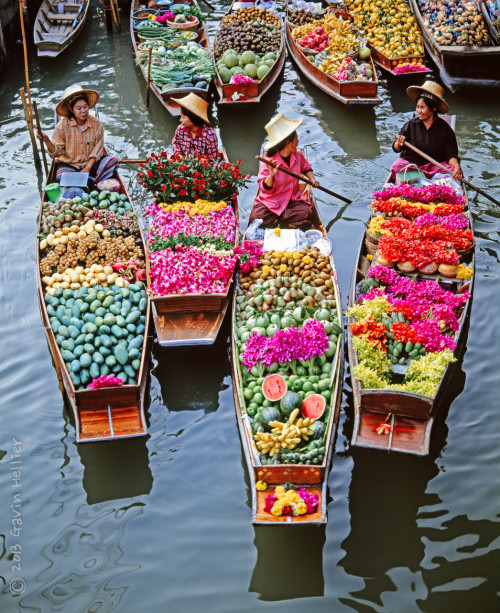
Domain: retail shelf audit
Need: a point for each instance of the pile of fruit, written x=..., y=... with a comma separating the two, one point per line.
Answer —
x=300, y=17
x=287, y=327
x=388, y=25
x=332, y=36
x=247, y=30
x=253, y=65
x=92, y=260
x=455, y=22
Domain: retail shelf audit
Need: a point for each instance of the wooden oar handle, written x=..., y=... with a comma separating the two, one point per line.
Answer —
x=131, y=161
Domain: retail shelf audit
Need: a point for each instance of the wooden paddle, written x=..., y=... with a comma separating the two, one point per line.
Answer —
x=39, y=129
x=447, y=170
x=301, y=178
x=148, y=84
x=132, y=161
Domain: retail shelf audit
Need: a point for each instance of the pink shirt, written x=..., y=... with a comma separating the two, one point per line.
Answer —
x=285, y=187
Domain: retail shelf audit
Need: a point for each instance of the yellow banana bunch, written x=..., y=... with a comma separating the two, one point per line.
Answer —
x=285, y=435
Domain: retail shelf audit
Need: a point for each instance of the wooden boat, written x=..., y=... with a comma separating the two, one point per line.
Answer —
x=54, y=31
x=410, y=416
x=167, y=98
x=493, y=26
x=461, y=66
x=252, y=93
x=312, y=477
x=189, y=319
x=363, y=92
x=108, y=413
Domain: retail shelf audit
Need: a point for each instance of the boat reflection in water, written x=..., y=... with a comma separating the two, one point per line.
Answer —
x=279, y=574
x=115, y=469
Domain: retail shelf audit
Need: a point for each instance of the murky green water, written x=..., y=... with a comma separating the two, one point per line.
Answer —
x=163, y=523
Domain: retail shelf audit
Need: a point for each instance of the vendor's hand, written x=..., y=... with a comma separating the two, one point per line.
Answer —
x=458, y=174
x=41, y=136
x=314, y=182
x=272, y=169
x=400, y=141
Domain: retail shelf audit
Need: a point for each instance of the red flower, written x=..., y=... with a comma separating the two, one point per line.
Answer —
x=163, y=188
x=182, y=192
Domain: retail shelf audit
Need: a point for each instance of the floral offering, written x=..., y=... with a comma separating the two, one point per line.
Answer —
x=290, y=502
x=426, y=194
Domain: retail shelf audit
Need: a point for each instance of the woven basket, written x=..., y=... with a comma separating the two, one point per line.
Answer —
x=191, y=25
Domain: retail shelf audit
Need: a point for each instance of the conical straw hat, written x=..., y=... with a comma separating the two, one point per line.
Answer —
x=279, y=128
x=72, y=92
x=195, y=104
x=431, y=90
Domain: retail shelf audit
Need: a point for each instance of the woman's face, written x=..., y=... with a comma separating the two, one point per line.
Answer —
x=293, y=144
x=186, y=122
x=81, y=110
x=423, y=111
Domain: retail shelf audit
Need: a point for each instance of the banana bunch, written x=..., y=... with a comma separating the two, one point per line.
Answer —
x=284, y=435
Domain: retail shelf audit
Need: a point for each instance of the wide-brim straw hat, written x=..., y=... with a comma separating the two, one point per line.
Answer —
x=72, y=92
x=195, y=105
x=279, y=128
x=431, y=90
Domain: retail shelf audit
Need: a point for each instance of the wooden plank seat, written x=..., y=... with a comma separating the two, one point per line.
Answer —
x=61, y=17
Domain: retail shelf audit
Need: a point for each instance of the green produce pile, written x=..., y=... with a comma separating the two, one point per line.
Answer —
x=254, y=65
x=100, y=330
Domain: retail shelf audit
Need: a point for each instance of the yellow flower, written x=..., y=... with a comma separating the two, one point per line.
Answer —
x=261, y=486
x=279, y=491
x=283, y=268
x=301, y=508
x=266, y=268
x=369, y=257
x=306, y=259
x=464, y=272
x=277, y=231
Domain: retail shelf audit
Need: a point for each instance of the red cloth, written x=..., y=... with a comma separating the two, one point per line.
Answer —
x=428, y=169
x=204, y=143
x=285, y=187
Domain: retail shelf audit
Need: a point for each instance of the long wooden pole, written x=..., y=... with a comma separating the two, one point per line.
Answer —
x=301, y=178
x=132, y=161
x=39, y=129
x=148, y=84
x=26, y=60
x=447, y=170
x=29, y=121
x=115, y=16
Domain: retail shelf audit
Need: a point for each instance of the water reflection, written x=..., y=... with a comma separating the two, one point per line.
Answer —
x=289, y=562
x=385, y=495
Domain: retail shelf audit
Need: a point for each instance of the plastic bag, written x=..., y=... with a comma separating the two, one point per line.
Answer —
x=254, y=231
x=112, y=185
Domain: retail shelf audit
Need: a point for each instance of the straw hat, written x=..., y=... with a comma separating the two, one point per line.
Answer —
x=279, y=128
x=71, y=92
x=195, y=105
x=431, y=90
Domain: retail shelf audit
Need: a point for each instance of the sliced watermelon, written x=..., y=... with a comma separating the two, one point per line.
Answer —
x=274, y=387
x=313, y=406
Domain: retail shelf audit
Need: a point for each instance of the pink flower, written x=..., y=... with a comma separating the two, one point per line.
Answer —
x=105, y=381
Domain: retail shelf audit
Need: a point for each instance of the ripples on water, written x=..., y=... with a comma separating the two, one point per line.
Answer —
x=163, y=523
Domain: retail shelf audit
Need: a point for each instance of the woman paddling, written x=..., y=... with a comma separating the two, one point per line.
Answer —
x=429, y=133
x=78, y=140
x=194, y=135
x=280, y=199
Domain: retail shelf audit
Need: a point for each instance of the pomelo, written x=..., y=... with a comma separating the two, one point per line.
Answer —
x=274, y=387
x=262, y=70
x=313, y=406
x=225, y=74
x=251, y=70
x=231, y=60
x=364, y=53
x=236, y=70
x=248, y=57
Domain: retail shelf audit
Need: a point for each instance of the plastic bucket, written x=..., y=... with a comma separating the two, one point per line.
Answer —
x=53, y=192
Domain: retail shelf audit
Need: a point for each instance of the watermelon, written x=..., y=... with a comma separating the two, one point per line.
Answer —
x=313, y=406
x=289, y=402
x=268, y=414
x=274, y=387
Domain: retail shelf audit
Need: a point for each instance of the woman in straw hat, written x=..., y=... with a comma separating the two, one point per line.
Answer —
x=78, y=140
x=429, y=132
x=194, y=134
x=280, y=199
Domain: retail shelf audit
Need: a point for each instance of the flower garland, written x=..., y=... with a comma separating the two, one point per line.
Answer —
x=199, y=207
x=105, y=381
x=286, y=345
x=158, y=243
x=419, y=252
x=407, y=68
x=240, y=79
x=290, y=502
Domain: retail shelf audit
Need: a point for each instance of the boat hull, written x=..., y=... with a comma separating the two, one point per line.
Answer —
x=54, y=32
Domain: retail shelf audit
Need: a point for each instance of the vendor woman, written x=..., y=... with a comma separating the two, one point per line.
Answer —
x=78, y=140
x=194, y=134
x=280, y=200
x=429, y=133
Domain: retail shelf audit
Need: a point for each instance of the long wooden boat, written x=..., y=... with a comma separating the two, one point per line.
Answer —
x=102, y=414
x=167, y=98
x=189, y=319
x=493, y=26
x=362, y=92
x=54, y=31
x=406, y=418
x=311, y=476
x=245, y=95
x=461, y=65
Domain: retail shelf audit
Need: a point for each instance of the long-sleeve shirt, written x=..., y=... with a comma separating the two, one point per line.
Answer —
x=204, y=143
x=75, y=144
x=285, y=188
x=439, y=141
